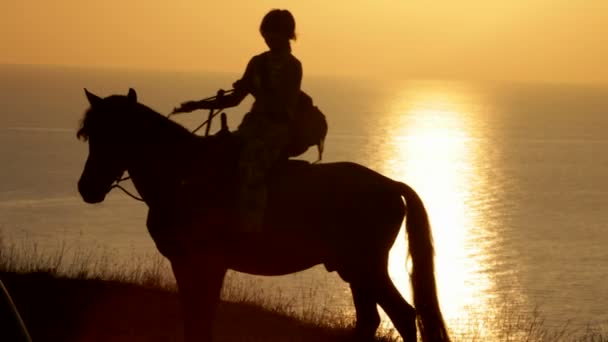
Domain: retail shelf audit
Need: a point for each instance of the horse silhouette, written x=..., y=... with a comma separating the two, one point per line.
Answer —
x=341, y=215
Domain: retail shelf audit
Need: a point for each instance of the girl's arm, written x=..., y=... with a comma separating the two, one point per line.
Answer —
x=241, y=90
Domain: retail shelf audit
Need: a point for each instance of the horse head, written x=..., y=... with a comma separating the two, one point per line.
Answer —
x=105, y=127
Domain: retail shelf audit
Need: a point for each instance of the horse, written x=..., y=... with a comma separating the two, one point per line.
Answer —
x=341, y=215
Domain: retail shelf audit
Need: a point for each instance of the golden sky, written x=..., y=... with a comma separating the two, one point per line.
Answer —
x=522, y=40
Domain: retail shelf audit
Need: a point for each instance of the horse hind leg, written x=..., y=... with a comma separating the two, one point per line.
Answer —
x=368, y=318
x=401, y=313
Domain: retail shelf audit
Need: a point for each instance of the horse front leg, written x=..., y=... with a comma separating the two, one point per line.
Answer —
x=368, y=318
x=199, y=282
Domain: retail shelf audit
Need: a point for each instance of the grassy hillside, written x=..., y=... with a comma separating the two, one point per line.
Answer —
x=70, y=309
x=77, y=297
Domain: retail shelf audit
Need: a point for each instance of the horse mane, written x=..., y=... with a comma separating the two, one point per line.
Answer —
x=118, y=110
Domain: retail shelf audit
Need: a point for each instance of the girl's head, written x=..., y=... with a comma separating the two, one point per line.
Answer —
x=278, y=28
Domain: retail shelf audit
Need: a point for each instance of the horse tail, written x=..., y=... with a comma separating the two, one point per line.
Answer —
x=420, y=241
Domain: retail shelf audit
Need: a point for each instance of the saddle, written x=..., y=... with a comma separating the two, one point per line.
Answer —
x=224, y=149
x=217, y=177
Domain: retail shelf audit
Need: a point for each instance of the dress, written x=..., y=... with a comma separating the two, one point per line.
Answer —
x=274, y=80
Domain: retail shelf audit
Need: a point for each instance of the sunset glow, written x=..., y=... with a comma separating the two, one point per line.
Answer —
x=434, y=151
x=537, y=40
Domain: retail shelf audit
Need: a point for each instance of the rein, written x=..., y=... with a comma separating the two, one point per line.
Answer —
x=117, y=185
x=212, y=114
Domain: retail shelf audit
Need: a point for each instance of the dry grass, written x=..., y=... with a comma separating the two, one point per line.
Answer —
x=78, y=295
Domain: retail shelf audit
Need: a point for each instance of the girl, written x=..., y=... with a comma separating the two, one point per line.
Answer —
x=273, y=78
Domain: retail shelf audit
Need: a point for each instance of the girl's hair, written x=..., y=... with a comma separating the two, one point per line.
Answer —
x=279, y=21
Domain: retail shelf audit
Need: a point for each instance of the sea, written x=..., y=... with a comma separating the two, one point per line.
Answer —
x=514, y=177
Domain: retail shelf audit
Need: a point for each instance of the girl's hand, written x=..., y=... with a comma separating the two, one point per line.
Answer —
x=187, y=107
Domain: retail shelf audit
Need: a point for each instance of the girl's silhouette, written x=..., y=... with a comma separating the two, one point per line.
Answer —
x=273, y=78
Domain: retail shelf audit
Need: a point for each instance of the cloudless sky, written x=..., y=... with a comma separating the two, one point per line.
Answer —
x=522, y=40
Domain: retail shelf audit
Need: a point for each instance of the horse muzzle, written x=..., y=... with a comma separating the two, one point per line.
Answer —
x=91, y=195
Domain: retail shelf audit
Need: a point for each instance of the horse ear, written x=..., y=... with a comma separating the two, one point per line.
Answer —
x=94, y=100
x=132, y=95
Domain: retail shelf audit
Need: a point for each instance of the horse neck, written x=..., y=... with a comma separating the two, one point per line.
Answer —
x=159, y=157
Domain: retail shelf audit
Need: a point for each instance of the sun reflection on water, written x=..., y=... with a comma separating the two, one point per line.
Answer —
x=435, y=150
